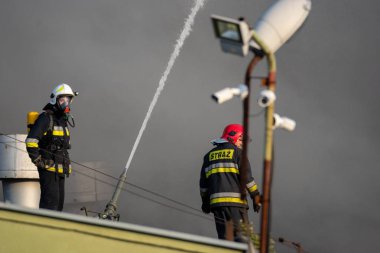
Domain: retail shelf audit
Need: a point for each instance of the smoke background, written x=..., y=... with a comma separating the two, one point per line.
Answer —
x=325, y=188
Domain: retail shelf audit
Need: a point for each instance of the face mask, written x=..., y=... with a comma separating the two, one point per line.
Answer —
x=64, y=104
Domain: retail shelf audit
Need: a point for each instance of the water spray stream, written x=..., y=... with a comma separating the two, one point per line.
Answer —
x=110, y=211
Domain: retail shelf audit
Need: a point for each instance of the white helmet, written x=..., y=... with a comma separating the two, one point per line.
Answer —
x=62, y=89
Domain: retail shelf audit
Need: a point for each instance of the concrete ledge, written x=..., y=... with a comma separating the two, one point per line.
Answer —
x=46, y=230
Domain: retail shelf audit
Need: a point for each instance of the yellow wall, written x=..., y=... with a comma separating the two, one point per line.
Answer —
x=31, y=232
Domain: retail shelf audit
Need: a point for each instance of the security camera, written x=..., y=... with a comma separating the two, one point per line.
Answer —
x=228, y=93
x=234, y=34
x=266, y=98
x=283, y=122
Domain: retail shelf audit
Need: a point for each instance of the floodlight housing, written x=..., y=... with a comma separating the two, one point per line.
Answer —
x=234, y=34
x=280, y=22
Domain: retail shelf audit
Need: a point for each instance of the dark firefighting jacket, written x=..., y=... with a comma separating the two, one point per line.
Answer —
x=220, y=181
x=49, y=138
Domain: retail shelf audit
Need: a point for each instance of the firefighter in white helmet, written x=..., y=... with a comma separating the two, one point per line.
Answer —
x=47, y=144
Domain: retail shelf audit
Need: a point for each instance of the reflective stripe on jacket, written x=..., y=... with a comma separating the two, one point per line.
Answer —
x=51, y=142
x=220, y=181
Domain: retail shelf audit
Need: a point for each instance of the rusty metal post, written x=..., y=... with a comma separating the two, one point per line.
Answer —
x=230, y=230
x=243, y=176
x=267, y=177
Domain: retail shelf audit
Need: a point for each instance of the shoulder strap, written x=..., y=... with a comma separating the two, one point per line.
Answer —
x=51, y=122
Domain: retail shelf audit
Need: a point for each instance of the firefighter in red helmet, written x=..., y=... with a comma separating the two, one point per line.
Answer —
x=220, y=183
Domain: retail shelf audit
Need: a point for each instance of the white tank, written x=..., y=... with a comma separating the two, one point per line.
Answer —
x=18, y=174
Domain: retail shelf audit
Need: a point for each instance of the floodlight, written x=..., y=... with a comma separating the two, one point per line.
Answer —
x=234, y=34
x=280, y=22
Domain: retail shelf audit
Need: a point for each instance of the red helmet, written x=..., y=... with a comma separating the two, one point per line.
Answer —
x=233, y=132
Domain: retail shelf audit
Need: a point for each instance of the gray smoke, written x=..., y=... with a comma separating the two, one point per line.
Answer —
x=114, y=52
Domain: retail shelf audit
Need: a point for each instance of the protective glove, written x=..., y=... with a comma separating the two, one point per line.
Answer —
x=256, y=201
x=42, y=163
x=49, y=163
x=39, y=162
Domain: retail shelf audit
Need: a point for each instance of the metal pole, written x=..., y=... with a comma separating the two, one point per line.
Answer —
x=267, y=176
x=267, y=179
x=243, y=177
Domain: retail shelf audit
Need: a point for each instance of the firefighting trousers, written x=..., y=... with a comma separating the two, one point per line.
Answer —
x=223, y=215
x=52, y=190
